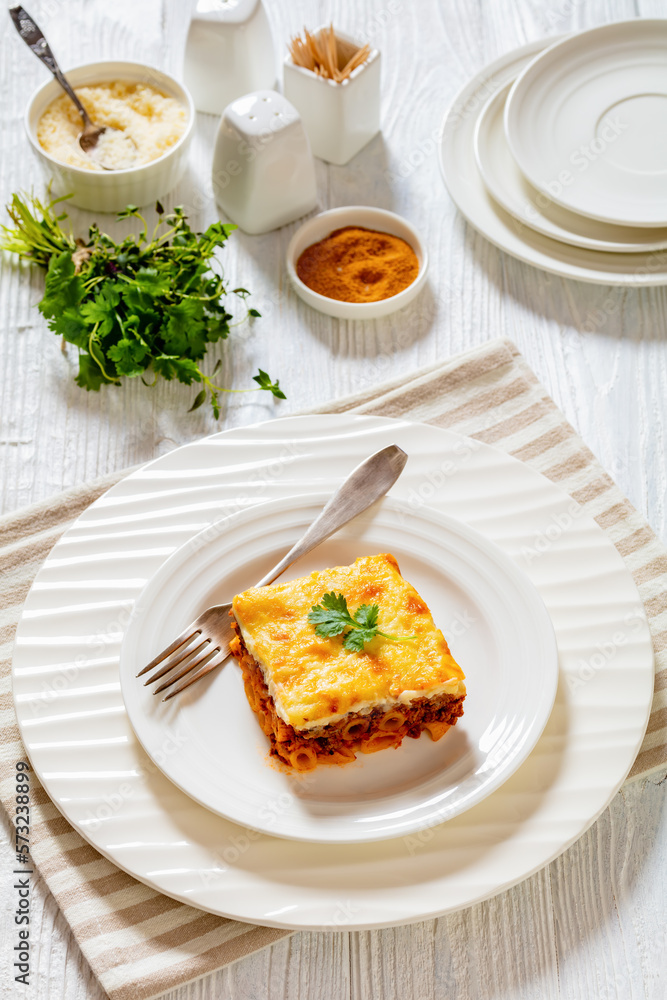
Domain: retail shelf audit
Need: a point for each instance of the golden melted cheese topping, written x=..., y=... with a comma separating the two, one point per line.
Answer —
x=316, y=681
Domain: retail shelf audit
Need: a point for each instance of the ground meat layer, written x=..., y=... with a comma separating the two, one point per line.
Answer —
x=339, y=742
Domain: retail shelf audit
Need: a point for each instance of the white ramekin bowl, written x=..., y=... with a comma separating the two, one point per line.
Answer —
x=370, y=218
x=112, y=190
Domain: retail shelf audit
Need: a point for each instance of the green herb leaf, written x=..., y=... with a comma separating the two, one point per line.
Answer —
x=128, y=355
x=265, y=382
x=335, y=602
x=332, y=616
x=183, y=369
x=63, y=287
x=146, y=302
x=185, y=330
x=218, y=327
x=151, y=282
x=71, y=325
x=101, y=310
x=367, y=615
x=355, y=640
x=90, y=375
x=199, y=399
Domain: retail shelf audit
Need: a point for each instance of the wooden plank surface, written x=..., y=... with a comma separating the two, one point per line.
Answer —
x=591, y=925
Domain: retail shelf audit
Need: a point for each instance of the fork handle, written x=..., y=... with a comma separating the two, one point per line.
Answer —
x=367, y=483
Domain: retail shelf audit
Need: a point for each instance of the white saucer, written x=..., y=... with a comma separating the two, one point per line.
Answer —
x=468, y=190
x=508, y=652
x=534, y=208
x=587, y=123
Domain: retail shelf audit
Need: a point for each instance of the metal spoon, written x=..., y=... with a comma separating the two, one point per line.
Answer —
x=125, y=149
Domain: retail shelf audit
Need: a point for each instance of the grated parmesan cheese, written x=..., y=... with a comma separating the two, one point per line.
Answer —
x=153, y=121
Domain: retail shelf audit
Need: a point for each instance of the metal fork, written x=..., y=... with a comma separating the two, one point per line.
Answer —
x=204, y=644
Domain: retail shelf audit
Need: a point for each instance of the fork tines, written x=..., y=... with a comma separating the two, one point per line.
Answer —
x=190, y=649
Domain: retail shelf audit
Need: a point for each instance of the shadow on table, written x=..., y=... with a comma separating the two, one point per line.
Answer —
x=376, y=341
x=584, y=306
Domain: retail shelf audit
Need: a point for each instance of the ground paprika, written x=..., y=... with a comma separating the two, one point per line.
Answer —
x=354, y=264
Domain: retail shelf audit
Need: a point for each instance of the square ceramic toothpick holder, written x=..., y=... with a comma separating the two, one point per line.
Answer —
x=263, y=170
x=340, y=118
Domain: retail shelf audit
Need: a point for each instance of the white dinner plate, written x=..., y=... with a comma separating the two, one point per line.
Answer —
x=469, y=192
x=507, y=650
x=587, y=122
x=80, y=741
x=534, y=208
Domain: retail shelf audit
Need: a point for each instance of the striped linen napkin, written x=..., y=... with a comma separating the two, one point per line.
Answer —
x=140, y=943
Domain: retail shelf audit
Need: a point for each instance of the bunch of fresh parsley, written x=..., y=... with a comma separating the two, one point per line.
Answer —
x=146, y=306
x=332, y=617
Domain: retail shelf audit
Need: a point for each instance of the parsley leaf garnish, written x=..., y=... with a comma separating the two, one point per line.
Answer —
x=332, y=617
x=264, y=382
x=149, y=306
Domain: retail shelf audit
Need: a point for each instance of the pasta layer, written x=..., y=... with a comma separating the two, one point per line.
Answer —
x=339, y=742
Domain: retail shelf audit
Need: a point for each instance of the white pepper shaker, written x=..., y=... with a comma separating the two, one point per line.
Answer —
x=263, y=170
x=229, y=52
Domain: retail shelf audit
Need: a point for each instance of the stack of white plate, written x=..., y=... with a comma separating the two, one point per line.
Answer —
x=557, y=153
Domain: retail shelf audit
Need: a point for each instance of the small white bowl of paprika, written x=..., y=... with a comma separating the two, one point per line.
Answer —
x=357, y=262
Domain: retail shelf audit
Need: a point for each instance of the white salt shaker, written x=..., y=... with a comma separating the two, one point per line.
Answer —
x=340, y=118
x=263, y=169
x=229, y=52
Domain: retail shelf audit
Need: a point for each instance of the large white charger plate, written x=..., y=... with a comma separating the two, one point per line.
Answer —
x=535, y=208
x=507, y=648
x=469, y=192
x=587, y=122
x=80, y=741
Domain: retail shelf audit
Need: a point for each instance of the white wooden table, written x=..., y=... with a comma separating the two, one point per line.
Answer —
x=592, y=925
